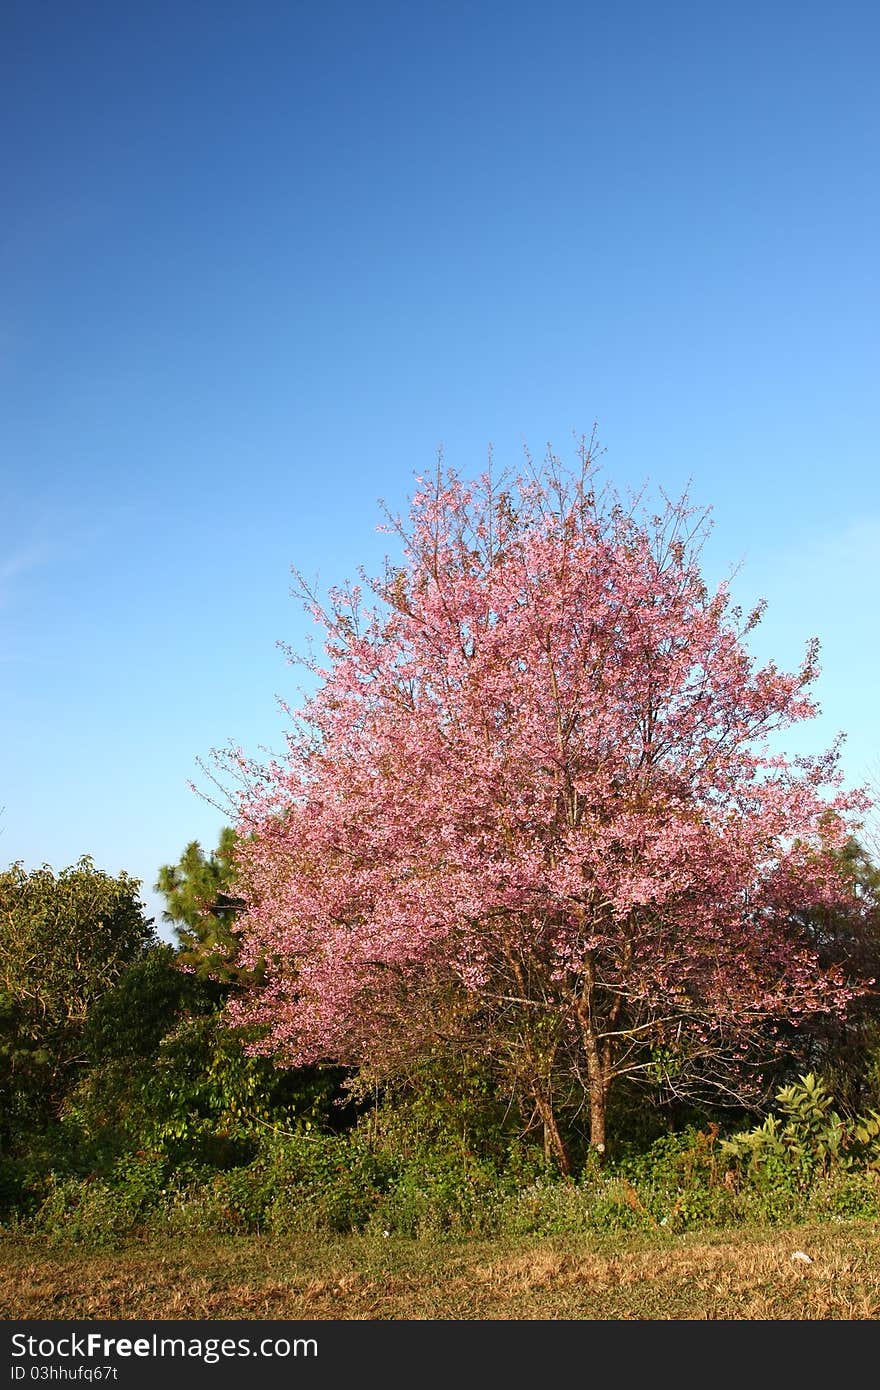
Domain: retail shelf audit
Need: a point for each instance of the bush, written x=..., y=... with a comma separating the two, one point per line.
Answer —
x=97, y=1211
x=296, y=1183
x=442, y=1192
x=808, y=1141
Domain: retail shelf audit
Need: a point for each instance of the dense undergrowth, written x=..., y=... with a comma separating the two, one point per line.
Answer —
x=804, y=1163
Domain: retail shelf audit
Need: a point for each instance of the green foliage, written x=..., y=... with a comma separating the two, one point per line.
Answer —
x=159, y=1071
x=129, y=1022
x=95, y=1212
x=446, y=1194
x=64, y=942
x=194, y=1095
x=601, y=1204
x=309, y=1182
x=807, y=1139
x=456, y=1147
x=314, y=1182
x=447, y=1103
x=327, y=1182
x=21, y=1189
x=205, y=1098
x=202, y=905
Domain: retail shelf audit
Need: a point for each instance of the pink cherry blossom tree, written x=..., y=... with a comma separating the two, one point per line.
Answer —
x=532, y=811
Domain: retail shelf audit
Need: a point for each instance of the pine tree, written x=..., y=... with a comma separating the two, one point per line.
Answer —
x=203, y=906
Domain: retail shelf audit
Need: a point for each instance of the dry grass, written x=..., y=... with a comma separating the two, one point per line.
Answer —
x=729, y=1275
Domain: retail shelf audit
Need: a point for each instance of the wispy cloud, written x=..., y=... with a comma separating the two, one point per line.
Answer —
x=23, y=561
x=29, y=558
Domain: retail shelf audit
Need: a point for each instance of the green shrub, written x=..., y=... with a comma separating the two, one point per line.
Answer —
x=807, y=1141
x=549, y=1207
x=297, y=1183
x=440, y=1192
x=326, y=1182
x=102, y=1211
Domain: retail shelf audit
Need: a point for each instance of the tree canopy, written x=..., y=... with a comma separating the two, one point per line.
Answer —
x=532, y=812
x=65, y=940
x=202, y=905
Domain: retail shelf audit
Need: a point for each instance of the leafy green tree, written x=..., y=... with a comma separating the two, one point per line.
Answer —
x=167, y=1075
x=65, y=940
x=202, y=906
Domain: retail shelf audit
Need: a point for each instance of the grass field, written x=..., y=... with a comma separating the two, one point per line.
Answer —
x=754, y=1274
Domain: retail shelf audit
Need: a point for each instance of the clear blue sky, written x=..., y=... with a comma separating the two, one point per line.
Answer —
x=259, y=261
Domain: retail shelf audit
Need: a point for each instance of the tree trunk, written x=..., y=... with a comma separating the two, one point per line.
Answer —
x=598, y=1091
x=597, y=1074
x=553, y=1141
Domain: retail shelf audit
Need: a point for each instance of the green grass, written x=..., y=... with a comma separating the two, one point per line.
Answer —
x=731, y=1274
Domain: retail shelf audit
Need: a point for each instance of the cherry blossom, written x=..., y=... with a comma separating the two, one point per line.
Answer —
x=536, y=810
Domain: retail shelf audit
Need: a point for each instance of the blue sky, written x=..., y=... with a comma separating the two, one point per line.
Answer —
x=260, y=261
